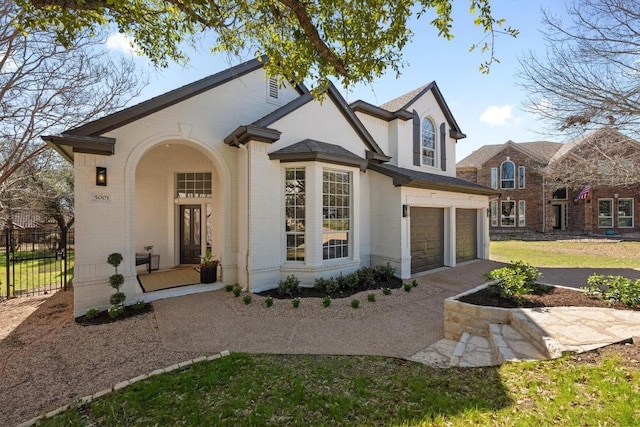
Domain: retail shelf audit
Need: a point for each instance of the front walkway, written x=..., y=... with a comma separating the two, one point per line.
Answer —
x=397, y=325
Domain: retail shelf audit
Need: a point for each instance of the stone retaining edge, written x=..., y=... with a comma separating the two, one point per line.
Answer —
x=121, y=385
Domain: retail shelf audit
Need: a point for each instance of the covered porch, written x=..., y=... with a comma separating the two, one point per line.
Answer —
x=179, y=211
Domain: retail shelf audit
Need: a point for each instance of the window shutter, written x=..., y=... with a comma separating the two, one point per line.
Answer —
x=416, y=139
x=443, y=147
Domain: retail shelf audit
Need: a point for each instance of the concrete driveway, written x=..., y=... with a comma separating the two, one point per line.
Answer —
x=397, y=325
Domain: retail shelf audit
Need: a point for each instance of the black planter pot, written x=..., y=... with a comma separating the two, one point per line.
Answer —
x=208, y=274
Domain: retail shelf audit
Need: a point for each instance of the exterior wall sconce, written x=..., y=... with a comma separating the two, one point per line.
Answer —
x=405, y=211
x=101, y=176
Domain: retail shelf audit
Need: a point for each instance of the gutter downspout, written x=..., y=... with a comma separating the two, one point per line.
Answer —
x=246, y=262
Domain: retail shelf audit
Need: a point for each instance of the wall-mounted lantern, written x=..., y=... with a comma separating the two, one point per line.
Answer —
x=405, y=211
x=101, y=176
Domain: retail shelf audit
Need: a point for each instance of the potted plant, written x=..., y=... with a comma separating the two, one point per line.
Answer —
x=208, y=268
x=148, y=249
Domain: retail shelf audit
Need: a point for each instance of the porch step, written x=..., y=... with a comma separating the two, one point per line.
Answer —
x=509, y=345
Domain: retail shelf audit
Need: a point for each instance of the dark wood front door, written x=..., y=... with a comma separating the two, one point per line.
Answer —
x=190, y=234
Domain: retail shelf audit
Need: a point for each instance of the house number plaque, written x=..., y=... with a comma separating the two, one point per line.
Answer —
x=104, y=198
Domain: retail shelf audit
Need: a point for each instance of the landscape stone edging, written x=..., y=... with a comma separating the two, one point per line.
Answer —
x=461, y=317
x=120, y=386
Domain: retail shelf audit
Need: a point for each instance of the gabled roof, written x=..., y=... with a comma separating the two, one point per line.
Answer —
x=334, y=95
x=605, y=132
x=131, y=114
x=541, y=151
x=87, y=139
x=411, y=178
x=310, y=149
x=404, y=102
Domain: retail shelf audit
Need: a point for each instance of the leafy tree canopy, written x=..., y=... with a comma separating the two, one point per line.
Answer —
x=353, y=40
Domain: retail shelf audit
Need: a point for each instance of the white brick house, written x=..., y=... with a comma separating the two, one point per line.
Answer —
x=274, y=182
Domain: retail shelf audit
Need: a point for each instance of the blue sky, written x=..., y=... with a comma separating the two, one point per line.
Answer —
x=488, y=108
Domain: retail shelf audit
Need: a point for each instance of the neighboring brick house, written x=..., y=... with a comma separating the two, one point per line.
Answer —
x=526, y=202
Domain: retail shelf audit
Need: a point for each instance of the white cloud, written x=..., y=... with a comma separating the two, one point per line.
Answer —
x=542, y=106
x=497, y=115
x=120, y=42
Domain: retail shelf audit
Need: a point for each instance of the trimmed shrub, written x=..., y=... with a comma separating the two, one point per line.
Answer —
x=118, y=298
x=383, y=273
x=328, y=286
x=289, y=287
x=116, y=311
x=367, y=277
x=513, y=281
x=615, y=288
x=139, y=305
x=92, y=313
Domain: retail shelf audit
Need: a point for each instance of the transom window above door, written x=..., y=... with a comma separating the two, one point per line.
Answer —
x=193, y=184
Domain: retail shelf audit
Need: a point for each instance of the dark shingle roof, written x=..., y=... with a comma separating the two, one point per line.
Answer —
x=400, y=102
x=479, y=156
x=309, y=149
x=412, y=178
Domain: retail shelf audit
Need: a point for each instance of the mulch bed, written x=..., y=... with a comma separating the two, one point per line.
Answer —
x=103, y=317
x=553, y=297
x=394, y=283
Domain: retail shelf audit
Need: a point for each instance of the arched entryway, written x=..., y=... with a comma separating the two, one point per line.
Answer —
x=179, y=204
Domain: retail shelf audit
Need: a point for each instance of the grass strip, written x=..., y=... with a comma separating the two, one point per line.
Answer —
x=277, y=390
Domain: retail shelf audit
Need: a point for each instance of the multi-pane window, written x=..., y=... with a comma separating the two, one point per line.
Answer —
x=494, y=213
x=605, y=213
x=521, y=176
x=494, y=178
x=294, y=202
x=428, y=143
x=522, y=219
x=507, y=175
x=625, y=213
x=336, y=213
x=508, y=213
x=191, y=184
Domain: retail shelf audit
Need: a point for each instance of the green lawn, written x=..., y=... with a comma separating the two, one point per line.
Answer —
x=593, y=254
x=277, y=390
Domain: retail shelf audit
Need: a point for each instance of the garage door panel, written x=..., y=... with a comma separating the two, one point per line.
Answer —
x=466, y=235
x=427, y=239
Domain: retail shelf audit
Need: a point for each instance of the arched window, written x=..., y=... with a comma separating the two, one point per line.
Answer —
x=508, y=175
x=428, y=142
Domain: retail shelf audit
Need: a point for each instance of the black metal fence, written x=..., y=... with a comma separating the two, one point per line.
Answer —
x=35, y=261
